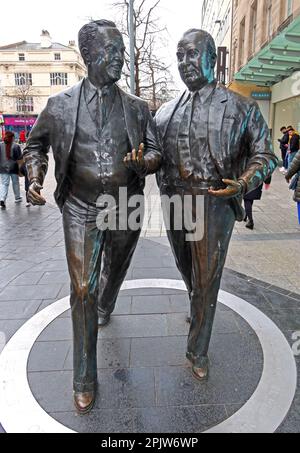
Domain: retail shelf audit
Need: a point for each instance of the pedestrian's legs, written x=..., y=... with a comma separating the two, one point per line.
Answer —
x=4, y=186
x=16, y=186
x=291, y=158
x=283, y=155
x=249, y=210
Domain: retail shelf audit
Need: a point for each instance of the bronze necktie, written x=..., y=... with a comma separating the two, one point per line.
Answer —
x=186, y=167
x=100, y=110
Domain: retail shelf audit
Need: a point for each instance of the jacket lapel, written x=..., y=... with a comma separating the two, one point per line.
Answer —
x=167, y=113
x=132, y=121
x=71, y=107
x=216, y=117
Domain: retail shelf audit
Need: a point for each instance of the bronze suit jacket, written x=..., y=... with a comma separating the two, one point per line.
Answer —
x=56, y=127
x=238, y=139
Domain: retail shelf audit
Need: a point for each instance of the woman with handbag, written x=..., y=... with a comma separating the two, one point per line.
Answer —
x=10, y=158
x=294, y=171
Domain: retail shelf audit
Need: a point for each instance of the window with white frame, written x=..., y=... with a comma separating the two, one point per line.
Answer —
x=58, y=78
x=21, y=56
x=23, y=78
x=25, y=104
x=57, y=57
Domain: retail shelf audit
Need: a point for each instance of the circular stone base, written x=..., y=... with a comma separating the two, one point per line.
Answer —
x=145, y=384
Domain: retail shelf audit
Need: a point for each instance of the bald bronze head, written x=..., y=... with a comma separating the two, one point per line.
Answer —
x=197, y=57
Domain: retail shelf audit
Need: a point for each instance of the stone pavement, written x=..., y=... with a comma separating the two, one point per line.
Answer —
x=144, y=381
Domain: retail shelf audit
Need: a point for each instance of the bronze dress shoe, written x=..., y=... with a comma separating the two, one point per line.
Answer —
x=84, y=402
x=103, y=320
x=201, y=373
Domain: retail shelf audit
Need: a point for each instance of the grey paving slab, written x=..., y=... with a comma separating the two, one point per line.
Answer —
x=27, y=279
x=48, y=356
x=156, y=352
x=53, y=390
x=179, y=419
x=59, y=330
x=113, y=354
x=36, y=292
x=9, y=327
x=52, y=265
x=151, y=304
x=21, y=309
x=135, y=326
x=12, y=271
x=52, y=277
x=164, y=273
x=126, y=388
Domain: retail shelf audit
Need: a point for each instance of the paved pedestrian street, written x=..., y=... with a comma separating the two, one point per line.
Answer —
x=145, y=384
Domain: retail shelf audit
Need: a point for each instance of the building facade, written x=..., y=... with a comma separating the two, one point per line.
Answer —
x=266, y=58
x=30, y=73
x=217, y=20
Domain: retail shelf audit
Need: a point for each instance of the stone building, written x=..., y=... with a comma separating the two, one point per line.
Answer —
x=30, y=73
x=265, y=60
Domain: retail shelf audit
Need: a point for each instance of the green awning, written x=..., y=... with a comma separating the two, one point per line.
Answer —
x=275, y=62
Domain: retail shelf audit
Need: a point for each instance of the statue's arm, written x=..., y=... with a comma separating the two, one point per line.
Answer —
x=153, y=156
x=147, y=159
x=36, y=151
x=261, y=159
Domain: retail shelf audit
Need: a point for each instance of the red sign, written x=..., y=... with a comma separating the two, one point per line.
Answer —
x=17, y=121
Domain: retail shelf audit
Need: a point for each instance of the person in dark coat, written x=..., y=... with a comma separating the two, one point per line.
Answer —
x=284, y=141
x=249, y=199
x=294, y=145
x=293, y=170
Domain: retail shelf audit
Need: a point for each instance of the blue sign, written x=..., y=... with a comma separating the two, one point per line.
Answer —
x=261, y=96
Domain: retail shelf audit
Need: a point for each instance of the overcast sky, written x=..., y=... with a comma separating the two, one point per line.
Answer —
x=63, y=19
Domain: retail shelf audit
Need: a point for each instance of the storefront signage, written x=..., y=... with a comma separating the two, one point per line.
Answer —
x=261, y=96
x=17, y=121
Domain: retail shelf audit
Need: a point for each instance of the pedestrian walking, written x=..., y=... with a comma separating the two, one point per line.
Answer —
x=293, y=146
x=22, y=137
x=294, y=171
x=249, y=199
x=10, y=157
x=284, y=142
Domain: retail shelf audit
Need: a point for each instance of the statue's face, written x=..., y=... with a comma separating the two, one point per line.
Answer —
x=106, y=57
x=195, y=63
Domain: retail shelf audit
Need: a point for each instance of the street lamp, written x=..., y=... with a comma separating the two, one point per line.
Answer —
x=132, y=42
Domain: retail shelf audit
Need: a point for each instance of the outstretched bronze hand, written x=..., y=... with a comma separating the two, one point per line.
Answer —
x=233, y=189
x=34, y=194
x=135, y=160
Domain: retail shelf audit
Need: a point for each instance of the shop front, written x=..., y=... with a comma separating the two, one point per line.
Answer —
x=18, y=123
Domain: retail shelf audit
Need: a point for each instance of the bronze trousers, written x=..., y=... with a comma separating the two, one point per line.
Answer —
x=201, y=265
x=98, y=262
